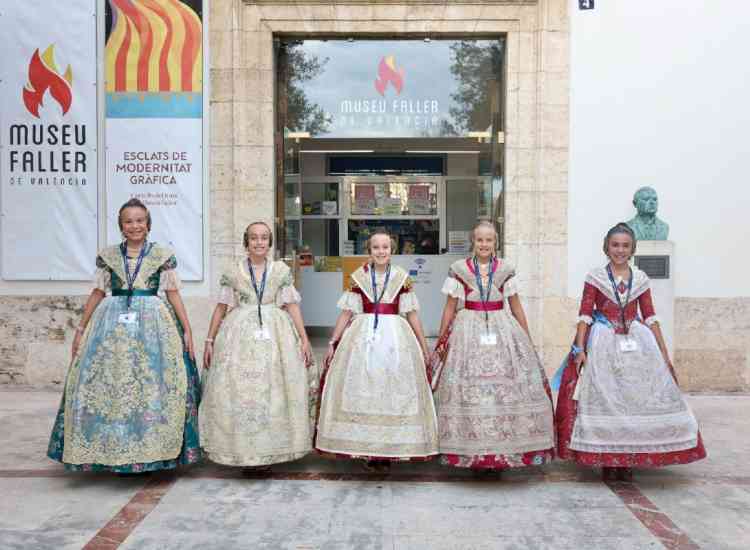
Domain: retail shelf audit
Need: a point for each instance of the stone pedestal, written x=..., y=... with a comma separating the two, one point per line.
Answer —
x=650, y=254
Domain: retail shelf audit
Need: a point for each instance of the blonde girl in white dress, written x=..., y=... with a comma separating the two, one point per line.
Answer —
x=493, y=400
x=376, y=401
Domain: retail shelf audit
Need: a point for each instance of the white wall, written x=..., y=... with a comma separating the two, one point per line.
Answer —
x=660, y=96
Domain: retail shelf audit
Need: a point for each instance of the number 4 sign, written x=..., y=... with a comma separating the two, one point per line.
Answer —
x=586, y=4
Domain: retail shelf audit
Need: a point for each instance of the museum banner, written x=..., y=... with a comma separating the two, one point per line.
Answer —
x=154, y=120
x=48, y=140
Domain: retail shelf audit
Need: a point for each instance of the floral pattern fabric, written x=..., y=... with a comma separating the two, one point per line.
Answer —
x=376, y=401
x=624, y=408
x=493, y=402
x=257, y=403
x=131, y=394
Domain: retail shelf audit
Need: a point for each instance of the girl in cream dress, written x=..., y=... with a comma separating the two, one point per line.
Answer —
x=257, y=383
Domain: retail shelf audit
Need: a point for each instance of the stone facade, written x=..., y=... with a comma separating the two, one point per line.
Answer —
x=37, y=331
x=536, y=133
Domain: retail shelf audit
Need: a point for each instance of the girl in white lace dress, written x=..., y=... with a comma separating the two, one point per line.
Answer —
x=256, y=405
x=376, y=402
x=619, y=404
x=493, y=400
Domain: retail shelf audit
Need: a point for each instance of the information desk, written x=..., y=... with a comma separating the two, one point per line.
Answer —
x=322, y=290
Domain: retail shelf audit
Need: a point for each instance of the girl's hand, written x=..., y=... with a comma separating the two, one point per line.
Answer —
x=307, y=352
x=188, y=338
x=208, y=352
x=670, y=366
x=579, y=360
x=329, y=354
x=425, y=353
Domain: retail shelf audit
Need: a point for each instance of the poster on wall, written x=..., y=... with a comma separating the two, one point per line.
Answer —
x=48, y=136
x=154, y=121
x=419, y=200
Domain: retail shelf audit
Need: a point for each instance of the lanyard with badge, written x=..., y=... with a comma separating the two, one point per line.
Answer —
x=488, y=338
x=377, y=299
x=131, y=317
x=627, y=343
x=262, y=333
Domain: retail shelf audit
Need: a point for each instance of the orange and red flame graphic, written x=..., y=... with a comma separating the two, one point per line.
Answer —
x=154, y=46
x=388, y=73
x=43, y=76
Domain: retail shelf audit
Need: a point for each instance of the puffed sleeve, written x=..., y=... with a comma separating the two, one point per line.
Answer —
x=451, y=286
x=168, y=277
x=586, y=311
x=287, y=294
x=407, y=301
x=226, y=292
x=351, y=300
x=102, y=276
x=646, y=303
x=510, y=287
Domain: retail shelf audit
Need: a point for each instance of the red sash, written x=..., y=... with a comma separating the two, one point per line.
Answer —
x=382, y=309
x=480, y=306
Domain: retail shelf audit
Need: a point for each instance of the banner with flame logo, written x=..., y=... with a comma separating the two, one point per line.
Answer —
x=154, y=125
x=48, y=133
x=44, y=76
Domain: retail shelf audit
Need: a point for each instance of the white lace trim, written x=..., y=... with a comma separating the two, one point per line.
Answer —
x=586, y=319
x=510, y=287
x=651, y=320
x=226, y=296
x=452, y=288
x=102, y=279
x=169, y=280
x=287, y=295
x=350, y=301
x=408, y=302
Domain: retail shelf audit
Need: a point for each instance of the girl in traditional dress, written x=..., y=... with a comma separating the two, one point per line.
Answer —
x=376, y=401
x=131, y=396
x=255, y=410
x=619, y=405
x=492, y=396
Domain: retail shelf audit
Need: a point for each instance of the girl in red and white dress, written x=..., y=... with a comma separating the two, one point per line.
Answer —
x=376, y=402
x=619, y=404
x=493, y=401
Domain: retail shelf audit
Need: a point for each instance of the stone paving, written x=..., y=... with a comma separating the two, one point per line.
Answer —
x=321, y=504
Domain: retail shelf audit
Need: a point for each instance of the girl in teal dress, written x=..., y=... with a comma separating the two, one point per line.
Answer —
x=131, y=396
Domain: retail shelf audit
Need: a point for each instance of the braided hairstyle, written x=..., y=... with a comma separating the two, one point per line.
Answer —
x=246, y=234
x=488, y=225
x=620, y=228
x=134, y=203
x=368, y=244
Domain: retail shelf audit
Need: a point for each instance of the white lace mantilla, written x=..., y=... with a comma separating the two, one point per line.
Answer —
x=599, y=278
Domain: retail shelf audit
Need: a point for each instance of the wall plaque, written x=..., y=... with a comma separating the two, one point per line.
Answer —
x=656, y=267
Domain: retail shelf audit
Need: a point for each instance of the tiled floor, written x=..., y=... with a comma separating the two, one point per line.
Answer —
x=321, y=504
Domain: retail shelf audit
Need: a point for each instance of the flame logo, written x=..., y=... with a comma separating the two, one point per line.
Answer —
x=154, y=46
x=43, y=76
x=388, y=73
